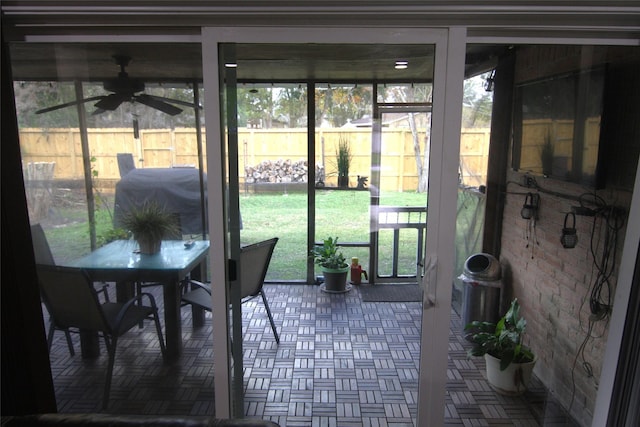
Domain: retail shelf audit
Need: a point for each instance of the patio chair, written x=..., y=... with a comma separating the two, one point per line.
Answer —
x=254, y=260
x=43, y=255
x=41, y=248
x=73, y=303
x=125, y=163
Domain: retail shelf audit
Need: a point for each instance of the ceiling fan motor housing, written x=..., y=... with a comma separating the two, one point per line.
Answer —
x=123, y=84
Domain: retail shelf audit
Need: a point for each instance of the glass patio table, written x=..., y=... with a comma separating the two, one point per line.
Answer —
x=120, y=262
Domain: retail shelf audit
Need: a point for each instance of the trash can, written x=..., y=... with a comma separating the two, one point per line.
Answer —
x=482, y=281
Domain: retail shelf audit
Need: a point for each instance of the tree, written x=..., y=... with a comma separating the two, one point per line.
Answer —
x=292, y=105
x=415, y=93
x=338, y=105
x=255, y=107
x=32, y=96
x=477, y=103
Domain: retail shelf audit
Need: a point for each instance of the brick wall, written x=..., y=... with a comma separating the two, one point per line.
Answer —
x=553, y=285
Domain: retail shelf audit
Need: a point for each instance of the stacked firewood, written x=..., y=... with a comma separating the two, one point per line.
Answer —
x=277, y=171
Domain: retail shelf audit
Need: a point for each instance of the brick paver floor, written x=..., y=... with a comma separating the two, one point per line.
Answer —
x=340, y=362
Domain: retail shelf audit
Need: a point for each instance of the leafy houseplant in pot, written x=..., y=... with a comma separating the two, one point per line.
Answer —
x=149, y=224
x=509, y=362
x=334, y=265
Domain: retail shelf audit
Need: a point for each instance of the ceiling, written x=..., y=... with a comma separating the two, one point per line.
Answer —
x=182, y=62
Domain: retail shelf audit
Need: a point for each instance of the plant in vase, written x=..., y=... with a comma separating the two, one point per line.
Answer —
x=508, y=361
x=334, y=265
x=149, y=224
x=343, y=161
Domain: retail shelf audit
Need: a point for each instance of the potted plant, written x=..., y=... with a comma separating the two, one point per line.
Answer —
x=149, y=224
x=343, y=160
x=509, y=362
x=334, y=265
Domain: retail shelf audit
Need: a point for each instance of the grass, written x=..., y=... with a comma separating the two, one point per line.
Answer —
x=344, y=214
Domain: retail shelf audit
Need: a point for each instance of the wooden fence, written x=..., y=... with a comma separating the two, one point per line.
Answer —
x=178, y=147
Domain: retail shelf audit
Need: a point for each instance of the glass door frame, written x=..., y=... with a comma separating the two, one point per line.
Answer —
x=448, y=77
x=380, y=108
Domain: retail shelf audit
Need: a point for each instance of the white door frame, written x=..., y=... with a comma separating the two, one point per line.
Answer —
x=441, y=226
x=448, y=84
x=216, y=183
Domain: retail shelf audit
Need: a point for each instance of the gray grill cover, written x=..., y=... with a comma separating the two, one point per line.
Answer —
x=177, y=189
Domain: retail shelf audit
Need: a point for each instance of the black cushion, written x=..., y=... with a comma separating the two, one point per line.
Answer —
x=106, y=420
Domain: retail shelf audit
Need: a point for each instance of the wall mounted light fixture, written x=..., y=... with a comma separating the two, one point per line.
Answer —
x=530, y=207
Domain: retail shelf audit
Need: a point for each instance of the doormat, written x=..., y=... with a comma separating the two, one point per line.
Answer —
x=391, y=293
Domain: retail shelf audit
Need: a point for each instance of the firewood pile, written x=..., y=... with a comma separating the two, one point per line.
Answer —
x=270, y=171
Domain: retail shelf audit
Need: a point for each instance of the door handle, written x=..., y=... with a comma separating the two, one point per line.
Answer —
x=429, y=283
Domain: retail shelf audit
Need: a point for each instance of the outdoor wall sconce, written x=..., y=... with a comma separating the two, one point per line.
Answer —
x=569, y=237
x=530, y=207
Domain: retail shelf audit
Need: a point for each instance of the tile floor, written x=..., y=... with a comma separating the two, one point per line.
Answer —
x=340, y=362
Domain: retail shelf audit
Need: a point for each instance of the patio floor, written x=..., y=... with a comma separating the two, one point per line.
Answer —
x=340, y=362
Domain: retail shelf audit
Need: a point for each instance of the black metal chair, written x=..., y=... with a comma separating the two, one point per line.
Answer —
x=125, y=163
x=73, y=303
x=254, y=261
x=43, y=255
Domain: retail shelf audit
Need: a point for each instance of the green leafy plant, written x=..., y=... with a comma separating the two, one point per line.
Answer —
x=328, y=256
x=150, y=222
x=502, y=340
x=112, y=234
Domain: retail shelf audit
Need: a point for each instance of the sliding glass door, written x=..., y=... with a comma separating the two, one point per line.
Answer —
x=230, y=55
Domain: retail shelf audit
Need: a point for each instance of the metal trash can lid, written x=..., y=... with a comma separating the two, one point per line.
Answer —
x=472, y=282
x=482, y=266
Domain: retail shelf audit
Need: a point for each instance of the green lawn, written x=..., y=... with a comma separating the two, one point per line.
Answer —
x=344, y=214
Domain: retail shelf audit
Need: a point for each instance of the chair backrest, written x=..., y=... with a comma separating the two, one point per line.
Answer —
x=125, y=163
x=71, y=298
x=254, y=262
x=41, y=248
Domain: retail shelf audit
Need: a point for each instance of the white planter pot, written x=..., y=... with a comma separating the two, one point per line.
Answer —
x=512, y=381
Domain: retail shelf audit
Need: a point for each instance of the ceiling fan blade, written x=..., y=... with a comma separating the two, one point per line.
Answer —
x=174, y=101
x=111, y=102
x=98, y=111
x=69, y=104
x=158, y=104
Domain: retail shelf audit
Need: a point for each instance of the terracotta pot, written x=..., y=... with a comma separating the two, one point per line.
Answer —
x=513, y=381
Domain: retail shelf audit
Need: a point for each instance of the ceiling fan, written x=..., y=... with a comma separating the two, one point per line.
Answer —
x=125, y=89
